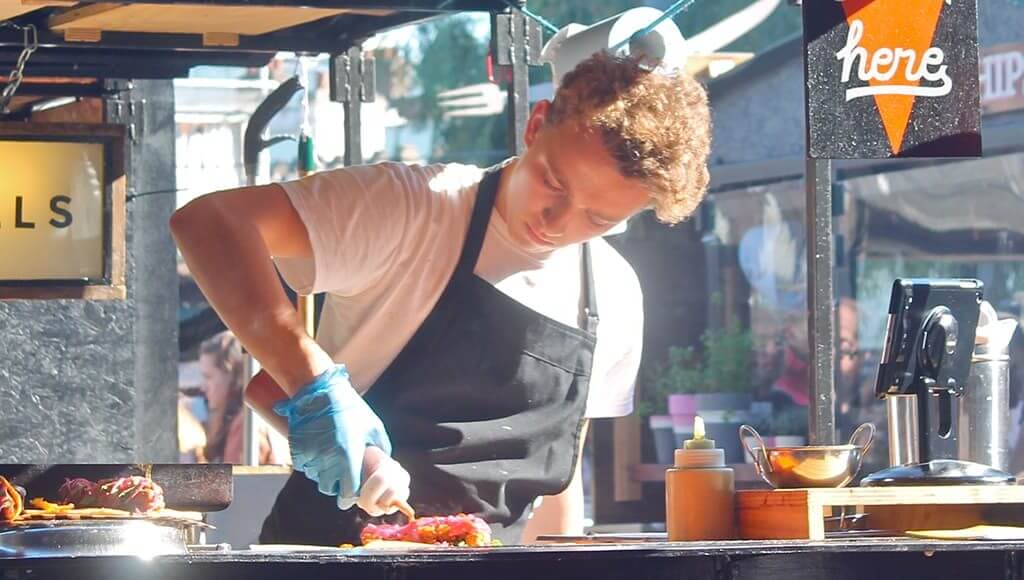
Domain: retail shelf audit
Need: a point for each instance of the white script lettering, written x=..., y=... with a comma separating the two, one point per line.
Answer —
x=886, y=62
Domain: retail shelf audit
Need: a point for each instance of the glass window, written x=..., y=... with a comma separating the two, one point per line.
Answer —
x=957, y=219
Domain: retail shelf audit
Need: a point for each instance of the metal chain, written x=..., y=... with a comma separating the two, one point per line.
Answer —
x=31, y=43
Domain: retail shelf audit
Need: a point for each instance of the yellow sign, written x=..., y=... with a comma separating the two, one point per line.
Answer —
x=52, y=211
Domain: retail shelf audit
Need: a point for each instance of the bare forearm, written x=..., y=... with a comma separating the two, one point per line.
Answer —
x=262, y=393
x=562, y=513
x=232, y=266
x=557, y=514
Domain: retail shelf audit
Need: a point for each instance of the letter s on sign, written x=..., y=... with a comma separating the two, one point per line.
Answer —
x=60, y=212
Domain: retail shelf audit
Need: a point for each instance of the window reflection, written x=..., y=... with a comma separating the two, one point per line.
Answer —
x=952, y=219
x=921, y=219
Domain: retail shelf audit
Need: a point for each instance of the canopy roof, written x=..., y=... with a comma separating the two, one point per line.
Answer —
x=164, y=38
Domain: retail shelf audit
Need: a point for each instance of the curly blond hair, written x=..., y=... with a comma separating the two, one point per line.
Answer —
x=656, y=126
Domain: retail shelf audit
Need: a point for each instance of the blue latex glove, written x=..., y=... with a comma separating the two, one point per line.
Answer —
x=329, y=427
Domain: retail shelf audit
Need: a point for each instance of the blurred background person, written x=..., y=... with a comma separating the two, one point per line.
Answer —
x=191, y=435
x=221, y=363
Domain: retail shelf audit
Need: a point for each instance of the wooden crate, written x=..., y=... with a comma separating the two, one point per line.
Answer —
x=210, y=20
x=13, y=8
x=801, y=513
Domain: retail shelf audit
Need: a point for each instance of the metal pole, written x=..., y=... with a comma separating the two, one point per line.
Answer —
x=820, y=302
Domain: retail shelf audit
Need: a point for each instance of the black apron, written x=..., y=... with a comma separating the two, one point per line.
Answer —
x=484, y=407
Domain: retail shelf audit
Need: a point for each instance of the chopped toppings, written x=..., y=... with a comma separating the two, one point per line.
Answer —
x=79, y=491
x=134, y=494
x=11, y=502
x=457, y=530
x=49, y=507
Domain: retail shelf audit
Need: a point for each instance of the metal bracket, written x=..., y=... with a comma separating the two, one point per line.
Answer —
x=124, y=109
x=508, y=29
x=353, y=82
x=350, y=72
x=130, y=113
x=137, y=119
x=516, y=45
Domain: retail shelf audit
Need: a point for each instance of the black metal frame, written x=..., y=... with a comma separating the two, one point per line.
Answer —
x=112, y=170
x=152, y=55
x=821, y=301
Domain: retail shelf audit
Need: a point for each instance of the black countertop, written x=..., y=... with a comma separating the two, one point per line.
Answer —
x=874, y=559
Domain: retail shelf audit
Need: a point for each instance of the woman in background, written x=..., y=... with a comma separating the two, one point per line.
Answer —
x=221, y=363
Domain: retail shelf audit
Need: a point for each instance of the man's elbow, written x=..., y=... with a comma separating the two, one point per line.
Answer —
x=193, y=217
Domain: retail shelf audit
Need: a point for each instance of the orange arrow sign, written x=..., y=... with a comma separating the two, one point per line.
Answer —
x=891, y=25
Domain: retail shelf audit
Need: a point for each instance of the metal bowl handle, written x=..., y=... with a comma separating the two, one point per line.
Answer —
x=748, y=430
x=858, y=434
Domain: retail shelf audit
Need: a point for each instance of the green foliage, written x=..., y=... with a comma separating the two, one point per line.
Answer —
x=728, y=359
x=792, y=421
x=449, y=55
x=724, y=365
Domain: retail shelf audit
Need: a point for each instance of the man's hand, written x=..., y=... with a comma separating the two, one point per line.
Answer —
x=385, y=484
x=330, y=427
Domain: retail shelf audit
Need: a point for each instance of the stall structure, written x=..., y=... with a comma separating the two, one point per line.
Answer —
x=106, y=68
x=96, y=52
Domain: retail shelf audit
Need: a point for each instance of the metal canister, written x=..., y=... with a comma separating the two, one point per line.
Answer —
x=984, y=417
x=904, y=448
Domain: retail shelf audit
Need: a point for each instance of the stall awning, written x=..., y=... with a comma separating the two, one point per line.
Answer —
x=163, y=38
x=984, y=194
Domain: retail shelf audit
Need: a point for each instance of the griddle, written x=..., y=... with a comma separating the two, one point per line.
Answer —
x=187, y=487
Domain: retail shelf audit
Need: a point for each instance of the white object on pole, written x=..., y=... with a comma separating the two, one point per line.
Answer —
x=731, y=28
x=480, y=100
x=664, y=47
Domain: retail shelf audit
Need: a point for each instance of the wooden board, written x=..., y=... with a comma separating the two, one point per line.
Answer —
x=15, y=8
x=191, y=18
x=800, y=513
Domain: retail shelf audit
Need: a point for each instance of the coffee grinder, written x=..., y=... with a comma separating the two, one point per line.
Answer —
x=926, y=362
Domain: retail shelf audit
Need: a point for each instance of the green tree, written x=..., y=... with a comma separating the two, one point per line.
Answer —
x=450, y=55
x=782, y=24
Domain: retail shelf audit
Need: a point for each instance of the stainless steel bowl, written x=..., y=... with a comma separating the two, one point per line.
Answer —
x=809, y=466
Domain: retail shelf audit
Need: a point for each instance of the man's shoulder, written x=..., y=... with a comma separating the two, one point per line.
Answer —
x=611, y=267
x=437, y=177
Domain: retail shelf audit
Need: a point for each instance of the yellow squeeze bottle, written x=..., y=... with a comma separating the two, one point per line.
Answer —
x=700, y=491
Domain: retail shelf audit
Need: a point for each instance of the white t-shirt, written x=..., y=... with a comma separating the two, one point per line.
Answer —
x=386, y=239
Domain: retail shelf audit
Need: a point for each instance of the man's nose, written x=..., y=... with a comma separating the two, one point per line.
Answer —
x=556, y=218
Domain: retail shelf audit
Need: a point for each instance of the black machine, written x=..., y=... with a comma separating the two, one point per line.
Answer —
x=926, y=361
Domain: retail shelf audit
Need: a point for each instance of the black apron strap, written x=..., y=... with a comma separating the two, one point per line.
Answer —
x=588, y=318
x=486, y=193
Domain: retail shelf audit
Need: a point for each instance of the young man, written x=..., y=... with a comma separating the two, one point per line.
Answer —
x=456, y=361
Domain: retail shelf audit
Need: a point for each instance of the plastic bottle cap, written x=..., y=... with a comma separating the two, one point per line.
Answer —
x=700, y=458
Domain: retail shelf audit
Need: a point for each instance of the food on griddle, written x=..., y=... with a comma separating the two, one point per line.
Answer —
x=133, y=494
x=50, y=507
x=457, y=530
x=78, y=491
x=11, y=502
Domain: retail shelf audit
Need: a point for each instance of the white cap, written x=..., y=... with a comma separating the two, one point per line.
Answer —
x=664, y=47
x=700, y=458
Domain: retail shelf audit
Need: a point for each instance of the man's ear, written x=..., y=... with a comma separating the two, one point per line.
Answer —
x=538, y=117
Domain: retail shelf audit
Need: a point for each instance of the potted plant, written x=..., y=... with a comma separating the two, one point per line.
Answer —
x=727, y=368
x=654, y=406
x=714, y=382
x=681, y=378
